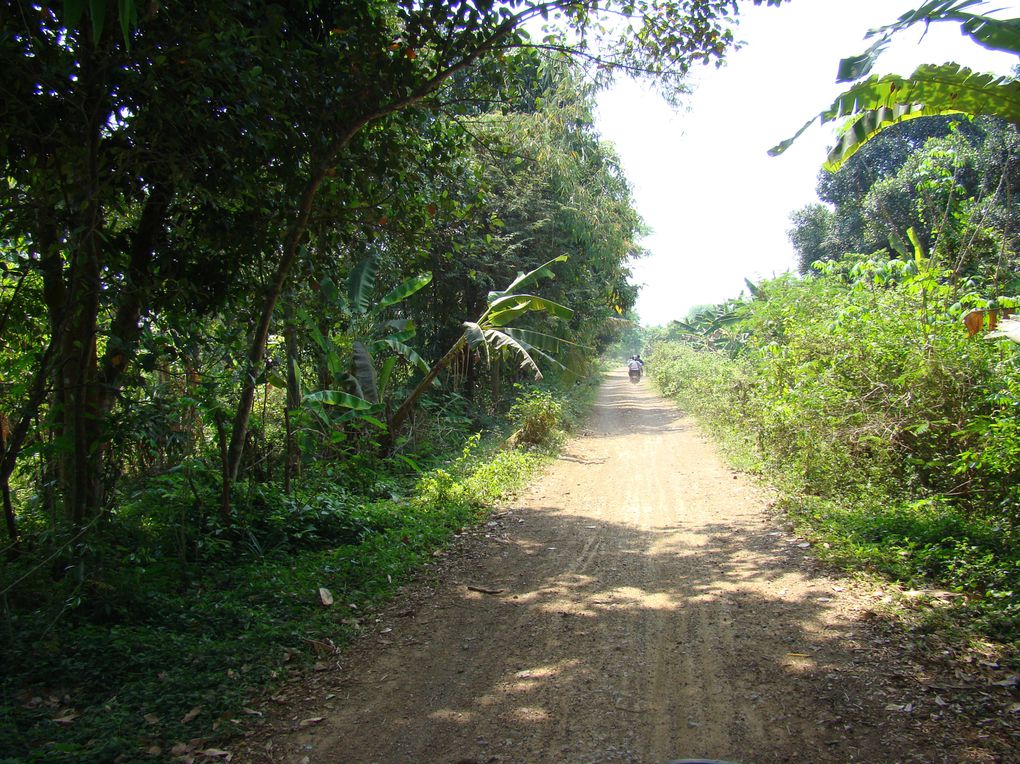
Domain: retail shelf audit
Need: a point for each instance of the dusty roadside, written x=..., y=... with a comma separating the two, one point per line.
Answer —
x=637, y=604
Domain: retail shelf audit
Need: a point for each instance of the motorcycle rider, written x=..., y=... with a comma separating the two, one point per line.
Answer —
x=634, y=366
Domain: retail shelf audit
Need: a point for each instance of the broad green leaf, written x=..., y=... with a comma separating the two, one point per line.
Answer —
x=97, y=14
x=72, y=12
x=499, y=340
x=128, y=13
x=405, y=289
x=542, y=271
x=535, y=351
x=504, y=309
x=333, y=363
x=328, y=290
x=402, y=350
x=385, y=371
x=363, y=368
x=403, y=336
x=276, y=381
x=504, y=317
x=474, y=334
x=400, y=324
x=338, y=398
x=361, y=283
x=879, y=102
x=919, y=255
x=994, y=34
x=550, y=343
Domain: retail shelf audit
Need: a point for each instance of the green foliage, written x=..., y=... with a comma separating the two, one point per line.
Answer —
x=877, y=103
x=242, y=615
x=861, y=393
x=925, y=541
x=537, y=416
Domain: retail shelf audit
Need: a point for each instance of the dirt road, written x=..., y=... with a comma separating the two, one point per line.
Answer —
x=637, y=604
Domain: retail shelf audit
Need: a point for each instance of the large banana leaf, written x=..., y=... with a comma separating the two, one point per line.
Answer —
x=361, y=283
x=474, y=334
x=541, y=272
x=404, y=335
x=505, y=309
x=879, y=102
x=405, y=289
x=338, y=398
x=499, y=340
x=384, y=375
x=536, y=351
x=363, y=369
x=550, y=343
x=994, y=34
x=328, y=290
x=404, y=351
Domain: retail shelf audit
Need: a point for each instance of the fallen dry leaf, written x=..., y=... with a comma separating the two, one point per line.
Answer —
x=66, y=717
x=190, y=716
x=217, y=753
x=310, y=721
x=325, y=596
x=151, y=718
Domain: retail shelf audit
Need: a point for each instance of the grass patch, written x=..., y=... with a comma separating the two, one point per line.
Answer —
x=923, y=544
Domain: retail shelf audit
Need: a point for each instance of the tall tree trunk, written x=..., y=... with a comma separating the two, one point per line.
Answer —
x=293, y=462
x=5, y=487
x=257, y=350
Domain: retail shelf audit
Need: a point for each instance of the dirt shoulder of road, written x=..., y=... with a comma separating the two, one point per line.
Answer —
x=641, y=602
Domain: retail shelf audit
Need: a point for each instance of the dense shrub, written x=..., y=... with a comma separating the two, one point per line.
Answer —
x=538, y=415
x=861, y=391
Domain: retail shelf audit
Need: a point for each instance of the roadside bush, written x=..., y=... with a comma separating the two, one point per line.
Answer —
x=860, y=390
x=537, y=416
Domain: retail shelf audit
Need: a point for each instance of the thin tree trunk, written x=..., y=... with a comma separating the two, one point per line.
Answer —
x=292, y=465
x=5, y=486
x=402, y=413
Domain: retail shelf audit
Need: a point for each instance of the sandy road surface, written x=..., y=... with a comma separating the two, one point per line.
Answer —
x=641, y=606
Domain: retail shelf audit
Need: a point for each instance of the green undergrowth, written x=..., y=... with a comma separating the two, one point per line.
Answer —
x=859, y=504
x=176, y=639
x=922, y=545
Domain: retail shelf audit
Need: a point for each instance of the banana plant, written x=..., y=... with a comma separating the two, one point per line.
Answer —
x=875, y=104
x=715, y=328
x=364, y=385
x=491, y=333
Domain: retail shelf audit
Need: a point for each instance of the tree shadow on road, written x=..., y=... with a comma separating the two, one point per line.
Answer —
x=585, y=640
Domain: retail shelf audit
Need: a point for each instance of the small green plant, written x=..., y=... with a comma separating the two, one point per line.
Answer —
x=538, y=416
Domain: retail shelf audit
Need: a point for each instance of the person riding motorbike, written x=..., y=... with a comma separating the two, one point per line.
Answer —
x=634, y=367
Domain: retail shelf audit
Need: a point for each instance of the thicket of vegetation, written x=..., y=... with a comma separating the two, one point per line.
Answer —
x=265, y=268
x=867, y=385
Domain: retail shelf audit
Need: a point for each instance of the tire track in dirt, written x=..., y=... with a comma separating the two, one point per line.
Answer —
x=651, y=609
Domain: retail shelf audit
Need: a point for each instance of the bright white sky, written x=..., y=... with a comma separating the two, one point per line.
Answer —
x=718, y=205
